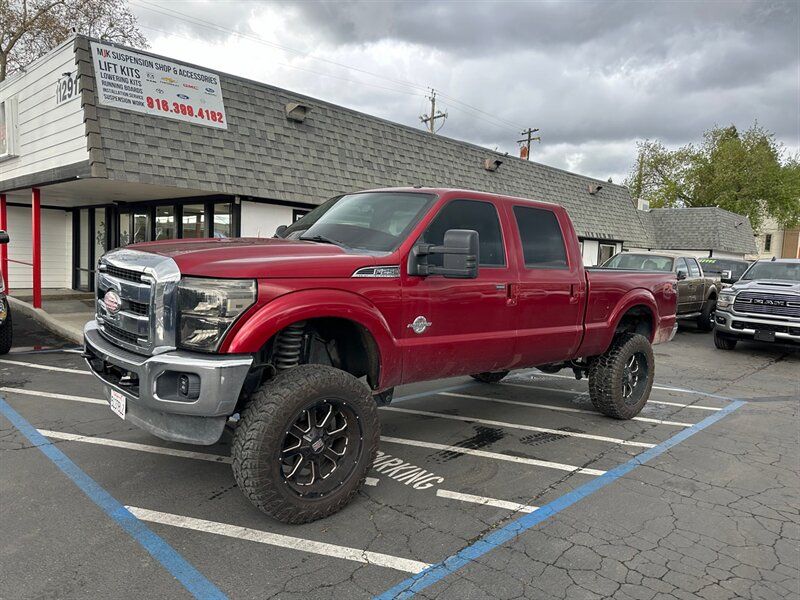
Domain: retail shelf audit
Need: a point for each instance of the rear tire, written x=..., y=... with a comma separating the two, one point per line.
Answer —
x=488, y=377
x=723, y=342
x=621, y=379
x=6, y=330
x=705, y=322
x=305, y=442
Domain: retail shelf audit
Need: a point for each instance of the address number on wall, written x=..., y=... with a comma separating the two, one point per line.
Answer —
x=66, y=88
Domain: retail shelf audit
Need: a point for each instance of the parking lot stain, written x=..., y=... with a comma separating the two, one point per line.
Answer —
x=484, y=436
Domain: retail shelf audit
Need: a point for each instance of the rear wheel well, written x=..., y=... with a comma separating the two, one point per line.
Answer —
x=340, y=343
x=637, y=319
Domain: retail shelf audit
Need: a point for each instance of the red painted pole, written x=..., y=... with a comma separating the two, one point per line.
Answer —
x=36, y=242
x=3, y=249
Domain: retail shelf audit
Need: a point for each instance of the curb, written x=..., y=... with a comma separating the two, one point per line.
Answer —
x=47, y=320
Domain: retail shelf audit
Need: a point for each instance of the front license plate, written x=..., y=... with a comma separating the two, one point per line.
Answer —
x=117, y=403
x=764, y=336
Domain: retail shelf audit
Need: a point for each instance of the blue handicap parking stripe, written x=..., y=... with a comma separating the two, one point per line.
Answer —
x=416, y=583
x=170, y=559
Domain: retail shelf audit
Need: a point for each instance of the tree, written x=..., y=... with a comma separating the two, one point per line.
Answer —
x=31, y=28
x=746, y=173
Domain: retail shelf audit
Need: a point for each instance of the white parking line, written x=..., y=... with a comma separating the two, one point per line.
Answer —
x=666, y=388
x=588, y=436
x=559, y=408
x=86, y=439
x=25, y=392
x=493, y=455
x=586, y=393
x=45, y=367
x=282, y=541
x=516, y=507
x=371, y=481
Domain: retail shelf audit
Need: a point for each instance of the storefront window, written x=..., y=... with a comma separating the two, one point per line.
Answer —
x=141, y=226
x=194, y=221
x=222, y=220
x=124, y=229
x=165, y=223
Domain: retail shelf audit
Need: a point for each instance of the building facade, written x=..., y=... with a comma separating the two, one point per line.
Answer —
x=106, y=146
x=776, y=241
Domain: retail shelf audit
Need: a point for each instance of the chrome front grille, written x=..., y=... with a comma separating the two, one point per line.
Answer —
x=143, y=320
x=760, y=303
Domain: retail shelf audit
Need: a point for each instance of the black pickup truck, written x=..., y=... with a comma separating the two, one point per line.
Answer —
x=697, y=294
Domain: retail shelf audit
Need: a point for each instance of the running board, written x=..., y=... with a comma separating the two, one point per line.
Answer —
x=693, y=315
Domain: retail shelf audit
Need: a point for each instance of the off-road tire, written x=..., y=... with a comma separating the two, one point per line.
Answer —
x=488, y=377
x=723, y=342
x=704, y=321
x=258, y=441
x=606, y=374
x=6, y=331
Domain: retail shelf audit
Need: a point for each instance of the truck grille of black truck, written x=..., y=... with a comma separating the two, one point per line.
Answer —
x=784, y=305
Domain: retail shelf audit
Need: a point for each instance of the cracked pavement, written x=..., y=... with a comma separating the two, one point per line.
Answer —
x=715, y=517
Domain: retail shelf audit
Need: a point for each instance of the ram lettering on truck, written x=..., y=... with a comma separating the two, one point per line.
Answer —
x=306, y=334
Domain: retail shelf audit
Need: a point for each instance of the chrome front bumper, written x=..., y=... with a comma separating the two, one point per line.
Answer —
x=154, y=402
x=724, y=320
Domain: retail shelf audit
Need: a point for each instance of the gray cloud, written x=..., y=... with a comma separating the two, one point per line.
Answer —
x=594, y=76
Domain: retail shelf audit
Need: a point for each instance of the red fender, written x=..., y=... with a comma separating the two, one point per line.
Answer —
x=599, y=335
x=268, y=319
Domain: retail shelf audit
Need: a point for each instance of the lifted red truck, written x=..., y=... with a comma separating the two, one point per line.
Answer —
x=304, y=335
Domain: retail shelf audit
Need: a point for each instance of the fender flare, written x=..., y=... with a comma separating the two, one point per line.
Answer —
x=303, y=305
x=636, y=297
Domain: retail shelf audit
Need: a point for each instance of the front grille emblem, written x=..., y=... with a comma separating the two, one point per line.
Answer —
x=112, y=301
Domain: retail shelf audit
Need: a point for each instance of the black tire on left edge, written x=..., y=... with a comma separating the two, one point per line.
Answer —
x=6, y=331
x=621, y=379
x=278, y=462
x=723, y=342
x=487, y=377
x=705, y=322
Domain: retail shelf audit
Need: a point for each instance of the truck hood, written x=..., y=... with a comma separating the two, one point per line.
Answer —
x=775, y=286
x=253, y=258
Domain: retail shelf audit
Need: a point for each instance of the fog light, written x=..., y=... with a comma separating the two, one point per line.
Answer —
x=189, y=386
x=721, y=320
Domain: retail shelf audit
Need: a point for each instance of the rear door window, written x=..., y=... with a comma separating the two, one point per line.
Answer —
x=542, y=241
x=680, y=266
x=469, y=214
x=694, y=270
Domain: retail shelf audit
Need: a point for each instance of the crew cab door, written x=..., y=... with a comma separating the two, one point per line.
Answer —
x=699, y=288
x=464, y=325
x=549, y=301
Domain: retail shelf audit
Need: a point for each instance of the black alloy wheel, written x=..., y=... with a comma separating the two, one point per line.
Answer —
x=320, y=448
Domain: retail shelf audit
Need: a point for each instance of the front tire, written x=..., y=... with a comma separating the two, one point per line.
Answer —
x=723, y=342
x=621, y=379
x=5, y=328
x=488, y=377
x=705, y=322
x=305, y=442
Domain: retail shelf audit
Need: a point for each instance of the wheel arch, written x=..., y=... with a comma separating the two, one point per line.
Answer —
x=336, y=314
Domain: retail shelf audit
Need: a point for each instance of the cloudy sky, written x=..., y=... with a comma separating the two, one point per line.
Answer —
x=595, y=77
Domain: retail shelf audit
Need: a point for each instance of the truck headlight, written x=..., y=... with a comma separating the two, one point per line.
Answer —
x=725, y=299
x=207, y=308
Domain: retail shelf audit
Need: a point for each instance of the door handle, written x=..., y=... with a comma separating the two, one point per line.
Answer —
x=500, y=286
x=574, y=294
x=512, y=294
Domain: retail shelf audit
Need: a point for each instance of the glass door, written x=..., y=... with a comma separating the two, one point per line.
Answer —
x=90, y=237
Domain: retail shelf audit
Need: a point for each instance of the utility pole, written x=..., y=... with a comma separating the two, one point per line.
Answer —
x=525, y=151
x=430, y=121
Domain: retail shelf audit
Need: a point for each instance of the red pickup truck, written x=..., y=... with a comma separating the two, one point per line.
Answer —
x=304, y=335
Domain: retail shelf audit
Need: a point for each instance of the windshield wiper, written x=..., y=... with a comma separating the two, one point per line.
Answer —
x=324, y=240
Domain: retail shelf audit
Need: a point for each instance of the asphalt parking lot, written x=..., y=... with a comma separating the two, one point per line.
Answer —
x=516, y=490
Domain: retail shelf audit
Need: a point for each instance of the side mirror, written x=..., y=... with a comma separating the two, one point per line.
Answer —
x=279, y=231
x=682, y=275
x=459, y=252
x=3, y=237
x=727, y=276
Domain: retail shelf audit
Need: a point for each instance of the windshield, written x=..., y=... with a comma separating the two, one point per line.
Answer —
x=715, y=266
x=376, y=221
x=639, y=262
x=774, y=270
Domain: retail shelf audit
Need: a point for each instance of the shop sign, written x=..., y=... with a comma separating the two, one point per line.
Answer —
x=145, y=84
